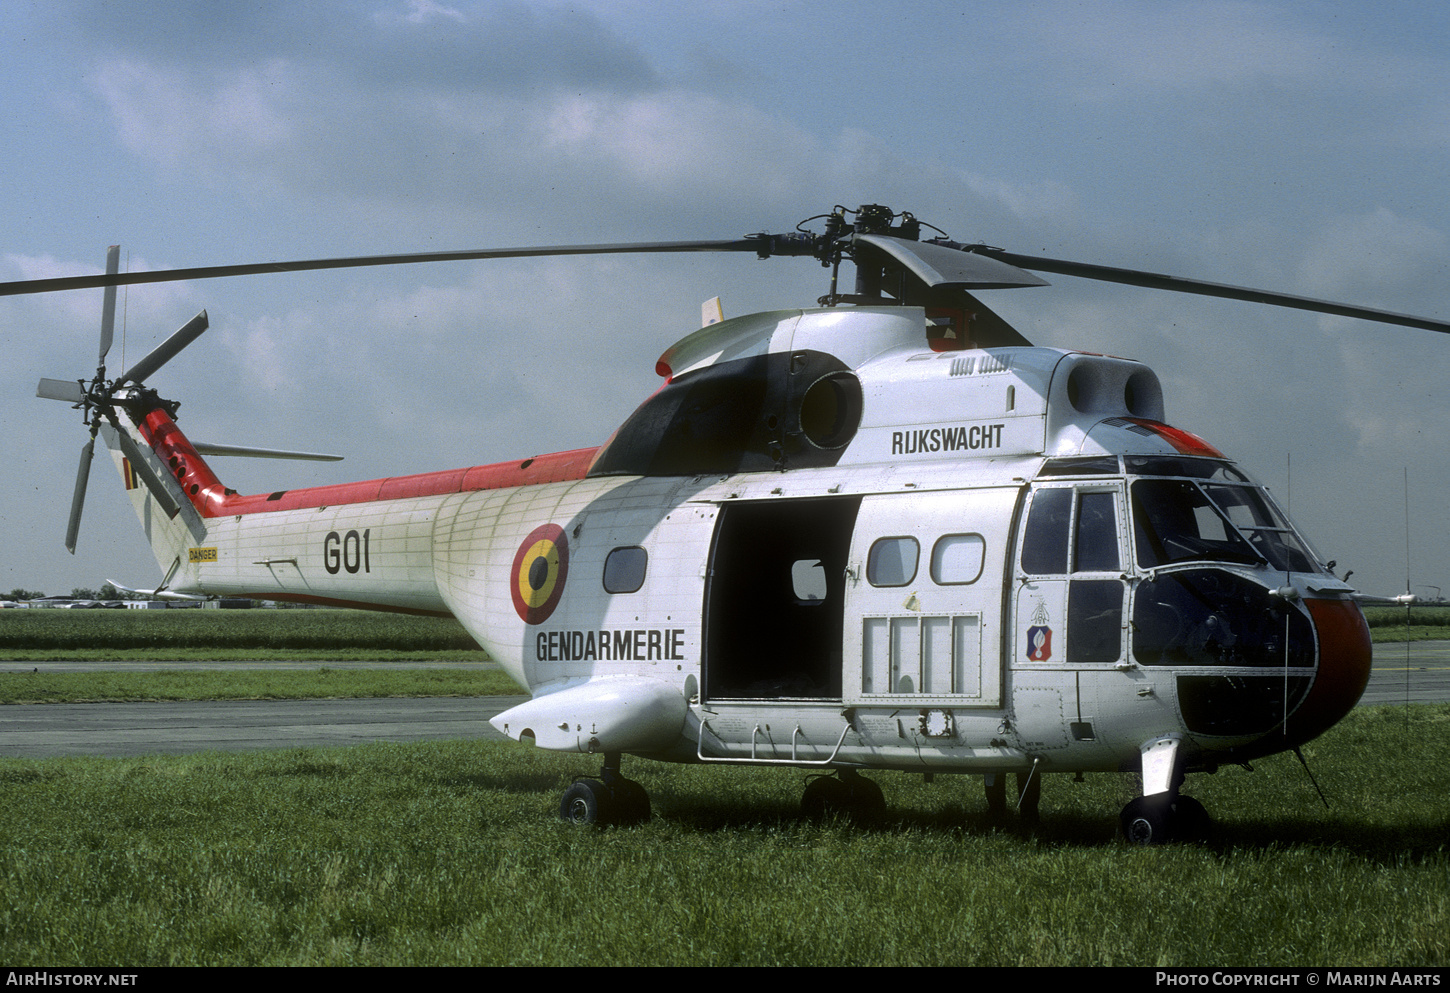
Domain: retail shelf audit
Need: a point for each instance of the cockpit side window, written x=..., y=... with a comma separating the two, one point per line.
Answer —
x=1072, y=532
x=1096, y=543
x=1044, y=541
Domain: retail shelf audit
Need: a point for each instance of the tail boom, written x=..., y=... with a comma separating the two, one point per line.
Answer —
x=367, y=544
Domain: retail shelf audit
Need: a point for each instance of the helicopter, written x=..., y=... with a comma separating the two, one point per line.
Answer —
x=882, y=533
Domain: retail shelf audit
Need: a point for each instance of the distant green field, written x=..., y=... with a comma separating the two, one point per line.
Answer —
x=307, y=637
x=307, y=681
x=228, y=634
x=1425, y=623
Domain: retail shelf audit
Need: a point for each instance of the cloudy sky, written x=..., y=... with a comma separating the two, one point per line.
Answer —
x=1300, y=146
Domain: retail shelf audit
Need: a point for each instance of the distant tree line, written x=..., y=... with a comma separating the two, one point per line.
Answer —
x=106, y=592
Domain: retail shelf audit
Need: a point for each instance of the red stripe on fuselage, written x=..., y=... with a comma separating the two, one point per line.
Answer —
x=212, y=499
x=1186, y=442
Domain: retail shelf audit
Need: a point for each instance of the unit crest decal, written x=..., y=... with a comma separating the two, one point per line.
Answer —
x=1039, y=635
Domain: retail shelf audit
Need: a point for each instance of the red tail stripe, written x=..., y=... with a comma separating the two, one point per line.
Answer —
x=212, y=499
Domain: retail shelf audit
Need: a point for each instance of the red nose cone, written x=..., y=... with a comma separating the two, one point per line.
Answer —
x=1344, y=660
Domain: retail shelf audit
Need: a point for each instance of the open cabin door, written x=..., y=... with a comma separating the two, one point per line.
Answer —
x=924, y=599
x=774, y=599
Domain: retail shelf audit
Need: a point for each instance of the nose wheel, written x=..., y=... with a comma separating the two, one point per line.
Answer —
x=606, y=799
x=1154, y=820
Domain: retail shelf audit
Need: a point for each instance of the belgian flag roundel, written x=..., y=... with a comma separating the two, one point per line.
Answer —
x=540, y=567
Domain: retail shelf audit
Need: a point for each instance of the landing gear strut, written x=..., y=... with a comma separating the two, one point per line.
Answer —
x=608, y=798
x=1029, y=793
x=1163, y=814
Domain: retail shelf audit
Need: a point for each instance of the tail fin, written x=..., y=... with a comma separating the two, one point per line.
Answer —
x=174, y=528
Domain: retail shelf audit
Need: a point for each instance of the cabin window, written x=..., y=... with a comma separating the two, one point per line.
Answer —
x=892, y=561
x=624, y=569
x=957, y=559
x=1094, y=620
x=808, y=581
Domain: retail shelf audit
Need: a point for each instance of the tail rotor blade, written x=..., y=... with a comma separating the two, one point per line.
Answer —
x=61, y=389
x=166, y=351
x=108, y=307
x=136, y=458
x=78, y=500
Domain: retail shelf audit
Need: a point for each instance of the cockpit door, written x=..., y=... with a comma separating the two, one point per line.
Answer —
x=923, y=618
x=1071, y=576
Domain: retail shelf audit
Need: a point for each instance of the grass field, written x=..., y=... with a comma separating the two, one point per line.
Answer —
x=450, y=854
x=307, y=682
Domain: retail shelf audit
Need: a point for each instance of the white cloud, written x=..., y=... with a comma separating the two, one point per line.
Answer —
x=1372, y=256
x=426, y=11
x=217, y=123
x=1121, y=46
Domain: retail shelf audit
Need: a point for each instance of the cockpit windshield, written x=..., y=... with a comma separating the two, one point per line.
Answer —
x=1257, y=520
x=1183, y=520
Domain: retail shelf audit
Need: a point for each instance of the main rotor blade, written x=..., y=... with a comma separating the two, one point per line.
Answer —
x=755, y=244
x=1158, y=281
x=947, y=268
x=166, y=351
x=78, y=498
x=108, y=307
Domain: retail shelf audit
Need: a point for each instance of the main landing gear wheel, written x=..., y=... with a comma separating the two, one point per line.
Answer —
x=847, y=794
x=608, y=799
x=1161, y=818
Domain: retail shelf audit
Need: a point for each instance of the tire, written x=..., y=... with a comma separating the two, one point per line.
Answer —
x=586, y=802
x=824, y=797
x=630, y=802
x=1190, y=821
x=1145, y=821
x=866, y=803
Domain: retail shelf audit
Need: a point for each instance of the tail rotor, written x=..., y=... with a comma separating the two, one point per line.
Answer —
x=99, y=399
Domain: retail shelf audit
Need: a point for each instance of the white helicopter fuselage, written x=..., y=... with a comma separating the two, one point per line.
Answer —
x=934, y=560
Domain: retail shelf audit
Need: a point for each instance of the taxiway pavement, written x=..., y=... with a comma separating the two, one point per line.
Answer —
x=1415, y=673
